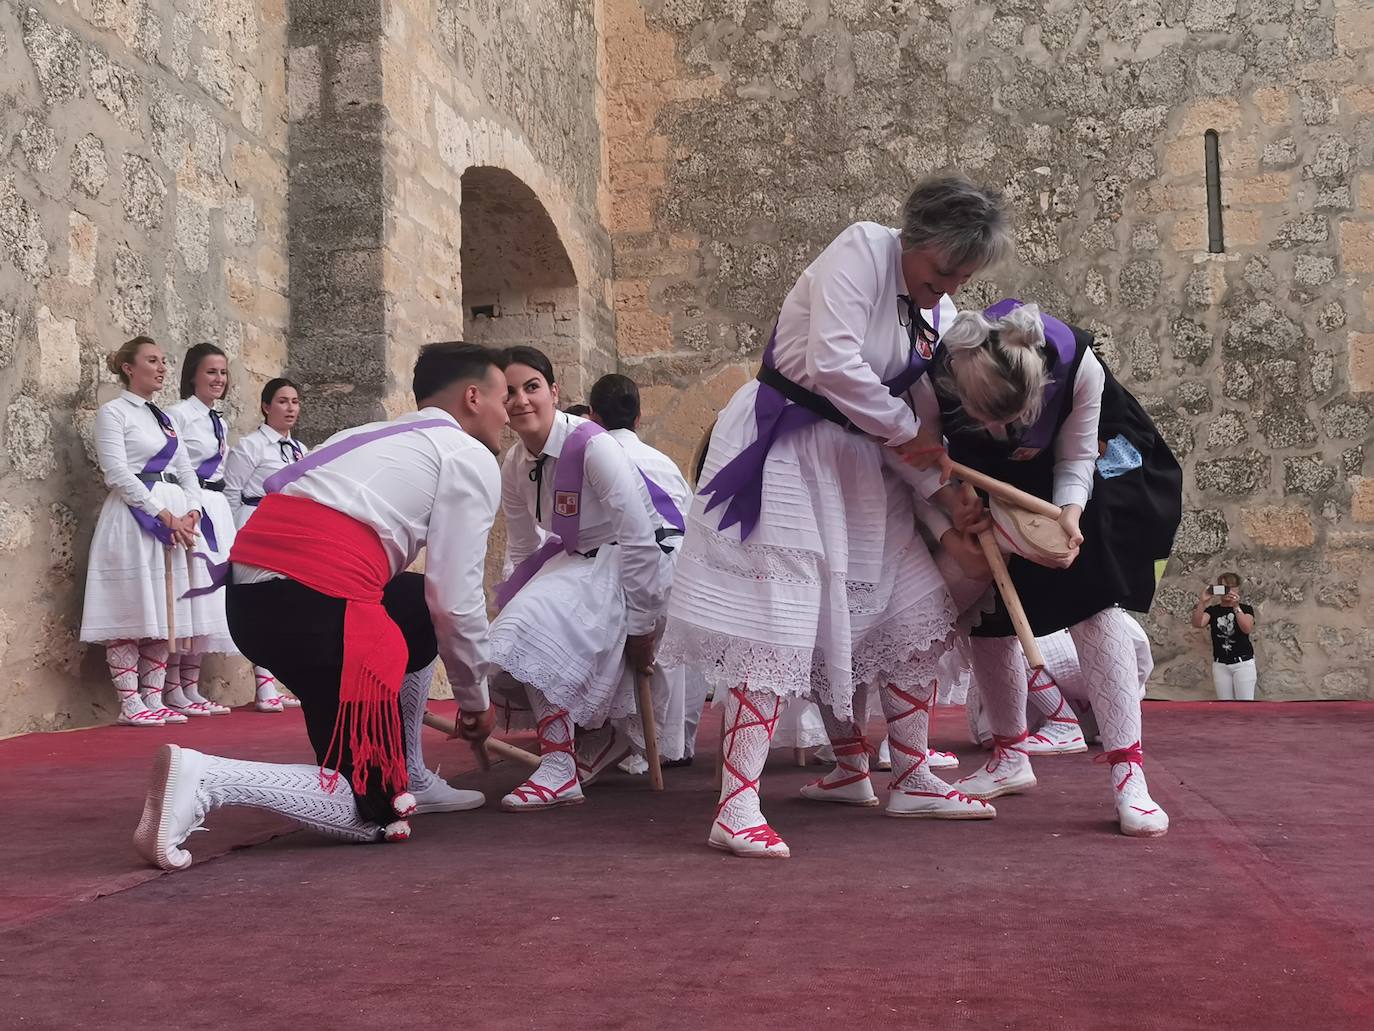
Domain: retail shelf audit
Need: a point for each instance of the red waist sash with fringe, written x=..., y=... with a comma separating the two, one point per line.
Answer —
x=337, y=555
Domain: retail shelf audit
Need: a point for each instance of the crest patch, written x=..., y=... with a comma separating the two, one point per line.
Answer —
x=565, y=503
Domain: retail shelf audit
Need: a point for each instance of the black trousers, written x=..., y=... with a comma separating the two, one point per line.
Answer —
x=297, y=633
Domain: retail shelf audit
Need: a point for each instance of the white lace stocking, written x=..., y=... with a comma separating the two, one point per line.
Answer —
x=414, y=702
x=908, y=729
x=267, y=684
x=557, y=772
x=294, y=791
x=1000, y=671
x=122, y=659
x=1045, y=696
x=190, y=679
x=750, y=719
x=1107, y=655
x=152, y=672
x=851, y=748
x=172, y=690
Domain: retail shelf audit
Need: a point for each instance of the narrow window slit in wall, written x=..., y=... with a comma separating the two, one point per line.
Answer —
x=1216, y=241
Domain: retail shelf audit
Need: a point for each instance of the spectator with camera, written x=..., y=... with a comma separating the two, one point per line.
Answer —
x=1231, y=622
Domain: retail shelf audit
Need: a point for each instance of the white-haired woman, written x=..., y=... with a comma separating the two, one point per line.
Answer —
x=802, y=574
x=1023, y=398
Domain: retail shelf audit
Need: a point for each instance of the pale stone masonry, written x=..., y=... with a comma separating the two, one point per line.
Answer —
x=321, y=185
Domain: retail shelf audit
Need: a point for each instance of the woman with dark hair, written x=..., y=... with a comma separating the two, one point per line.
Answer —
x=578, y=613
x=153, y=506
x=254, y=458
x=204, y=382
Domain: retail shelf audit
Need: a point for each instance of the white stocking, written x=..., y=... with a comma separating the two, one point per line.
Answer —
x=1045, y=695
x=750, y=719
x=851, y=748
x=1000, y=671
x=152, y=672
x=172, y=692
x=557, y=772
x=122, y=659
x=266, y=684
x=1107, y=655
x=190, y=679
x=414, y=699
x=908, y=729
x=294, y=791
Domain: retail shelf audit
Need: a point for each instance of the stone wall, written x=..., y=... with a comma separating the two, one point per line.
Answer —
x=743, y=136
x=143, y=191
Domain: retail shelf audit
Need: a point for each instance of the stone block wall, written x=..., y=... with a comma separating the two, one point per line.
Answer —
x=143, y=191
x=744, y=136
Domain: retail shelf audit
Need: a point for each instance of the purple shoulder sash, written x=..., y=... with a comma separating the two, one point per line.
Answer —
x=152, y=525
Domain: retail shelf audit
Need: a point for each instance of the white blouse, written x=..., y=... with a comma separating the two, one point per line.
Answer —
x=615, y=508
x=197, y=433
x=127, y=435
x=654, y=464
x=253, y=460
x=839, y=334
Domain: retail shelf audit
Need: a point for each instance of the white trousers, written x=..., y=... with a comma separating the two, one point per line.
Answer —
x=1235, y=682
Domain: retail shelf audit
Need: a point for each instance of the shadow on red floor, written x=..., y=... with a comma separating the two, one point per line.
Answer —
x=1256, y=912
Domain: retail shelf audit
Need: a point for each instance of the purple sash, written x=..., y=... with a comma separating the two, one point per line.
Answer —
x=739, y=483
x=205, y=472
x=219, y=571
x=150, y=524
x=1059, y=337
x=567, y=511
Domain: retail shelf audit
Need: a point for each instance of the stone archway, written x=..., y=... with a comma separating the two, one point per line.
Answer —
x=519, y=285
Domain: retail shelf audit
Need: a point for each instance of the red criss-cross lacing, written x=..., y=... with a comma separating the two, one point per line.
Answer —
x=919, y=758
x=1002, y=745
x=263, y=680
x=1131, y=755
x=534, y=791
x=1058, y=716
x=762, y=833
x=844, y=748
x=115, y=674
x=952, y=794
x=589, y=768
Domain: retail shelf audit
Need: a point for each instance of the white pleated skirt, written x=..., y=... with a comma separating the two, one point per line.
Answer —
x=833, y=591
x=126, y=595
x=207, y=610
x=564, y=634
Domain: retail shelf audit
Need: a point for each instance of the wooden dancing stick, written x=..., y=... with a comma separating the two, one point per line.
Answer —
x=171, y=603
x=494, y=745
x=1006, y=491
x=644, y=696
x=1010, y=598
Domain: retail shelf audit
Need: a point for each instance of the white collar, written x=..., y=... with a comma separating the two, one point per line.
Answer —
x=563, y=425
x=134, y=399
x=431, y=412
x=197, y=406
x=272, y=435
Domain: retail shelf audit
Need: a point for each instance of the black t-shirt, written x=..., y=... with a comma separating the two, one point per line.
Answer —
x=1229, y=644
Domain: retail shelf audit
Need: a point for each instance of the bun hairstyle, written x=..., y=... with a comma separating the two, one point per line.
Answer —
x=270, y=391
x=128, y=351
x=997, y=368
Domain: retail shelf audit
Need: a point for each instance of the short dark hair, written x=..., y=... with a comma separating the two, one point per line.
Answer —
x=615, y=400
x=189, y=365
x=522, y=354
x=270, y=391
x=446, y=362
x=1230, y=579
x=579, y=409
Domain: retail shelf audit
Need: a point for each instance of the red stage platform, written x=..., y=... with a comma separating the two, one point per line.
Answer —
x=1255, y=912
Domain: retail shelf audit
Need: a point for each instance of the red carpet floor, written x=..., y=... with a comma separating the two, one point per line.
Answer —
x=1256, y=912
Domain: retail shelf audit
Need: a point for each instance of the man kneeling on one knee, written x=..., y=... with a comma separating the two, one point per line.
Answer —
x=319, y=597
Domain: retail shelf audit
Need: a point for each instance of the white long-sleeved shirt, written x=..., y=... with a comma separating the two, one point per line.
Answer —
x=127, y=434
x=252, y=460
x=654, y=464
x=615, y=508
x=434, y=489
x=197, y=433
x=839, y=333
x=1075, y=446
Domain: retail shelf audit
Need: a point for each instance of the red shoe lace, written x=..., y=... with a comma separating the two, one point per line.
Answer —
x=1001, y=746
x=769, y=724
x=844, y=748
x=1036, y=683
x=532, y=790
x=760, y=835
x=917, y=757
x=1132, y=755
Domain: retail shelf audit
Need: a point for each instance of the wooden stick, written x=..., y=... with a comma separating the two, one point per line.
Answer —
x=494, y=745
x=171, y=603
x=799, y=756
x=1011, y=599
x=644, y=695
x=1006, y=491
